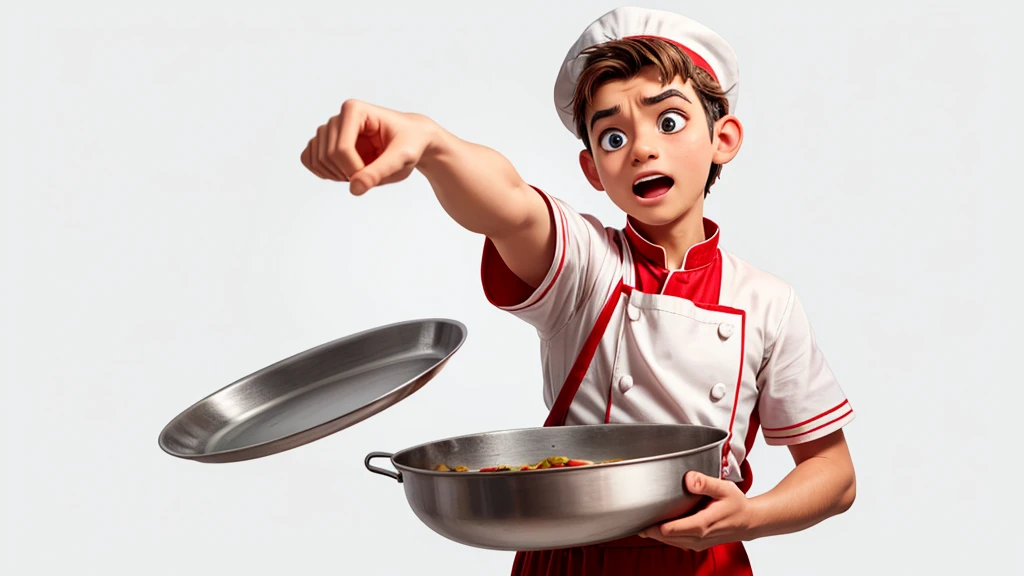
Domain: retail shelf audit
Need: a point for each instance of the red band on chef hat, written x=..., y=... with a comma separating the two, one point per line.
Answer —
x=705, y=48
x=697, y=59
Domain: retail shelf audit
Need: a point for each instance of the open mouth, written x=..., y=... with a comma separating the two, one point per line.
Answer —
x=652, y=186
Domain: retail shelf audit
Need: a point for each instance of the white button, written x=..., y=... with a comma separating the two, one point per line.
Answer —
x=633, y=312
x=625, y=383
x=725, y=330
x=718, y=392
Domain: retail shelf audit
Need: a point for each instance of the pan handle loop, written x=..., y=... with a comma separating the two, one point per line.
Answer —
x=376, y=470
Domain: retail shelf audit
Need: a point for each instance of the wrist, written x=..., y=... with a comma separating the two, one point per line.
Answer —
x=757, y=518
x=438, y=144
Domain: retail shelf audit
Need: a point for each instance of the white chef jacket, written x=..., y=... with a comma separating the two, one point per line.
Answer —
x=740, y=354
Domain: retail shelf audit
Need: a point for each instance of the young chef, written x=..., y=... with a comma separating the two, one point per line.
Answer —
x=653, y=322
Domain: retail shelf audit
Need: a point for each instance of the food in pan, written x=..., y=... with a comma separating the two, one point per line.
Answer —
x=443, y=468
x=550, y=462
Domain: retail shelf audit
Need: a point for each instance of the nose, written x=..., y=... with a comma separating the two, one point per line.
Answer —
x=642, y=152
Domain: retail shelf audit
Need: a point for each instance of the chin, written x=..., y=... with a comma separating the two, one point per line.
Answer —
x=654, y=221
x=658, y=215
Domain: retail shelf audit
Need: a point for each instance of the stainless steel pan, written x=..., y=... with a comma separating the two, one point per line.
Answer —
x=556, y=507
x=313, y=394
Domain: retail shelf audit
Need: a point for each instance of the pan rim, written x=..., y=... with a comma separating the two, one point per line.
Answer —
x=403, y=468
x=309, y=435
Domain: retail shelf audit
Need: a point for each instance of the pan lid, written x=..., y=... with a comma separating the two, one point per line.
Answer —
x=314, y=393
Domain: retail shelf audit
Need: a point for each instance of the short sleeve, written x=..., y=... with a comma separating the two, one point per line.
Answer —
x=800, y=398
x=585, y=257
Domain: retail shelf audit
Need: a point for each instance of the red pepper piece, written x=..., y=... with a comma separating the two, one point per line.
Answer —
x=578, y=463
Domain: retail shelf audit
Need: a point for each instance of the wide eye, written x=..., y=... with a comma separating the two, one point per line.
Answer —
x=671, y=122
x=612, y=140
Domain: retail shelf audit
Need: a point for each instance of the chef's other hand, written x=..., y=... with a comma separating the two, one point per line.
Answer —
x=367, y=146
x=726, y=519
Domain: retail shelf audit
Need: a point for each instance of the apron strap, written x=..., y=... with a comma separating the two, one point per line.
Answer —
x=628, y=271
x=572, y=383
x=560, y=409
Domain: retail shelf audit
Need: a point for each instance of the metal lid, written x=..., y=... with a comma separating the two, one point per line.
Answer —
x=314, y=393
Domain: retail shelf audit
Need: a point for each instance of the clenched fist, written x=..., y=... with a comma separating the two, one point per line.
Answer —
x=367, y=146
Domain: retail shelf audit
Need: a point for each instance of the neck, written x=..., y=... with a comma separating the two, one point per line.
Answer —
x=675, y=237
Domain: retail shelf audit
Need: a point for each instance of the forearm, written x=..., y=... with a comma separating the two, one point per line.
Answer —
x=815, y=490
x=368, y=146
x=478, y=187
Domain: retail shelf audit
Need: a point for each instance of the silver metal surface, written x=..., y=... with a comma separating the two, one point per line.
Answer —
x=556, y=507
x=313, y=394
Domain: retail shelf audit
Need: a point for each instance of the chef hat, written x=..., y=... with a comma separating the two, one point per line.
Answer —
x=706, y=48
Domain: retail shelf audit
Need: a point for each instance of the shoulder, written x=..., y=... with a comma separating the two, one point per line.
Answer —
x=766, y=298
x=743, y=280
x=579, y=224
x=567, y=210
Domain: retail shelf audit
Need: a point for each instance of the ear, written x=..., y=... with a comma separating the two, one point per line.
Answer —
x=728, y=138
x=590, y=169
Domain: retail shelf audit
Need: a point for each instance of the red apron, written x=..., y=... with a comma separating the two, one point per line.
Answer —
x=632, y=555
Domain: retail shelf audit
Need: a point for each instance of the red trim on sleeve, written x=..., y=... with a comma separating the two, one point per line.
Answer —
x=502, y=287
x=829, y=423
x=809, y=420
x=561, y=260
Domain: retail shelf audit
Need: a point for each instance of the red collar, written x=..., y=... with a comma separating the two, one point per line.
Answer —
x=697, y=256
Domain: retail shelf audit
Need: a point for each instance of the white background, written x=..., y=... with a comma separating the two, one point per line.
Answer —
x=160, y=239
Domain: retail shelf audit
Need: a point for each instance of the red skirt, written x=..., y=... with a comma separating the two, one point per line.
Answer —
x=634, y=555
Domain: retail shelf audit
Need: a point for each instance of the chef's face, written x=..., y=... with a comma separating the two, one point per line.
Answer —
x=652, y=149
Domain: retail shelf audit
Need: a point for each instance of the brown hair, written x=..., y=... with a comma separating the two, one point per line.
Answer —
x=623, y=59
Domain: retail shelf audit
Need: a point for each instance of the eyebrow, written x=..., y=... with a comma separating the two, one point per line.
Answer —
x=646, y=101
